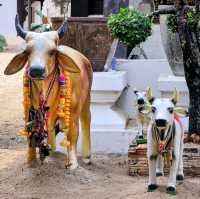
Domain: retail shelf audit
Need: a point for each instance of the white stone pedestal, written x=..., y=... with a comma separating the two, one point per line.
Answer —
x=166, y=86
x=108, y=122
x=106, y=89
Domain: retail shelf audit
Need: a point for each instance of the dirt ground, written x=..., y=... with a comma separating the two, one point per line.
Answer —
x=106, y=178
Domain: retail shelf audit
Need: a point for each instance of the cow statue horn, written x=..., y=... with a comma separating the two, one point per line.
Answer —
x=175, y=97
x=62, y=29
x=149, y=95
x=20, y=31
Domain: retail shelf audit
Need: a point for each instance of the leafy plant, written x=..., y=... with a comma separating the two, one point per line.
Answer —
x=192, y=21
x=3, y=43
x=130, y=26
x=44, y=26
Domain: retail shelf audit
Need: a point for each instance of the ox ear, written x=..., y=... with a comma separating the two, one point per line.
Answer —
x=67, y=63
x=149, y=95
x=135, y=91
x=175, y=97
x=17, y=63
x=181, y=112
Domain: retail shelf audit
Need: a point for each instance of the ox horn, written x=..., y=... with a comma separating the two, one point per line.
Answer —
x=20, y=31
x=175, y=97
x=62, y=29
x=149, y=95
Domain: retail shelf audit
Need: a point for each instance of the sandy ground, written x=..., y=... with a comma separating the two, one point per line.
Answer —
x=106, y=178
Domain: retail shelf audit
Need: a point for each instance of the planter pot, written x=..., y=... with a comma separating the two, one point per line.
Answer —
x=88, y=35
x=172, y=47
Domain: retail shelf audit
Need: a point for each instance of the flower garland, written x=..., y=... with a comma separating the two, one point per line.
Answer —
x=26, y=102
x=64, y=104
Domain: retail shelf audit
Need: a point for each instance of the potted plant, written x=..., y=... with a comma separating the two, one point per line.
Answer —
x=130, y=26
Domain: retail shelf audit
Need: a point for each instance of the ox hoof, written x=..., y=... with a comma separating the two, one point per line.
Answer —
x=171, y=190
x=152, y=187
x=179, y=177
x=158, y=174
x=33, y=163
x=71, y=166
x=87, y=160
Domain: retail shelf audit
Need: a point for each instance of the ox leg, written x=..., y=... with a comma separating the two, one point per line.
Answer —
x=140, y=128
x=85, y=124
x=73, y=138
x=171, y=189
x=151, y=155
x=159, y=166
x=180, y=174
x=31, y=155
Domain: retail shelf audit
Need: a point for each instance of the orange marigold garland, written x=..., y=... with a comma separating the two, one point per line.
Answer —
x=26, y=101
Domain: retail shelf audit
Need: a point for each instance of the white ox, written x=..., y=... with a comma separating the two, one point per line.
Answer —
x=142, y=117
x=165, y=138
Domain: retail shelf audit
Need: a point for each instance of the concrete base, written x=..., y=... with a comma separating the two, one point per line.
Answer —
x=104, y=140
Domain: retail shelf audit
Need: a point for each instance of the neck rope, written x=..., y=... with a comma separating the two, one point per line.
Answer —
x=164, y=145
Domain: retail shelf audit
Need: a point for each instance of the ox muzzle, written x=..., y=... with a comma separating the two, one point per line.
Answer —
x=161, y=123
x=37, y=72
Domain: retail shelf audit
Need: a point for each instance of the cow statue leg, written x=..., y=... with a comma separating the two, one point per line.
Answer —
x=171, y=187
x=85, y=117
x=73, y=138
x=31, y=155
x=159, y=166
x=140, y=128
x=151, y=155
x=180, y=174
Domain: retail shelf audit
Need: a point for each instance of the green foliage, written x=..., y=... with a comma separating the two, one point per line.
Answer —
x=3, y=43
x=43, y=27
x=172, y=23
x=130, y=26
x=192, y=21
x=40, y=27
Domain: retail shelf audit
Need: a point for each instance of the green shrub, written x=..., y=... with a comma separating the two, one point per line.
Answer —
x=130, y=26
x=3, y=43
x=192, y=21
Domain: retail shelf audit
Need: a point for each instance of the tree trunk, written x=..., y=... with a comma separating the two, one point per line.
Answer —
x=191, y=58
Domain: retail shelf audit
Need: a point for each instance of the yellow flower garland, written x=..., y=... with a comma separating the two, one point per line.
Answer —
x=26, y=102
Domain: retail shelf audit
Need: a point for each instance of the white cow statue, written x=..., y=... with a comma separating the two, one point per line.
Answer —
x=143, y=117
x=165, y=139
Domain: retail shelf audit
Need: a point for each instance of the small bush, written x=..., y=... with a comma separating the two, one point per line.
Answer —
x=3, y=43
x=130, y=26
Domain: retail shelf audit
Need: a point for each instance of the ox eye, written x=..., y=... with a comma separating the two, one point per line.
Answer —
x=52, y=52
x=153, y=109
x=170, y=109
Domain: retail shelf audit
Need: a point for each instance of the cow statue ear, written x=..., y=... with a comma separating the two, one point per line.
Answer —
x=135, y=92
x=149, y=95
x=66, y=61
x=17, y=63
x=175, y=97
